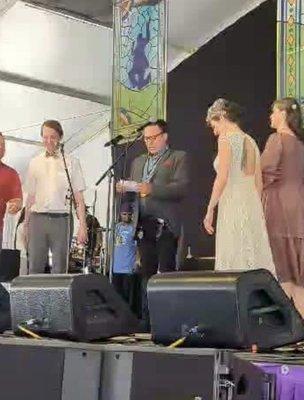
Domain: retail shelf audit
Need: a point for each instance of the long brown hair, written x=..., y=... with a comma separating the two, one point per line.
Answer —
x=293, y=115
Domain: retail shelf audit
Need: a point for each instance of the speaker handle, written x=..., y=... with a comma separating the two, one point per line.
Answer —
x=265, y=310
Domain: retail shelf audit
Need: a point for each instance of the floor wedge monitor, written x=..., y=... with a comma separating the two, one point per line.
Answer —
x=222, y=309
x=79, y=307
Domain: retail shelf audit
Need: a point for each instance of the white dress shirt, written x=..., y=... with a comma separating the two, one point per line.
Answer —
x=48, y=183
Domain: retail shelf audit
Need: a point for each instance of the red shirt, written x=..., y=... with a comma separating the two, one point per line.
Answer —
x=10, y=188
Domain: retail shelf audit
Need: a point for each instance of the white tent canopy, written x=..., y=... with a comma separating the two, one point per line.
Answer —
x=193, y=23
x=56, y=63
x=44, y=46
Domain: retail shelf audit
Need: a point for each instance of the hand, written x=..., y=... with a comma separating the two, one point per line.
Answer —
x=120, y=187
x=82, y=235
x=208, y=222
x=144, y=189
x=13, y=206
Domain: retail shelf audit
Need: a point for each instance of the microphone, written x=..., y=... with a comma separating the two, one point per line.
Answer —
x=114, y=141
x=61, y=147
x=118, y=138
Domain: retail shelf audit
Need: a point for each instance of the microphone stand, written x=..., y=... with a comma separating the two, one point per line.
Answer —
x=72, y=202
x=109, y=245
x=93, y=230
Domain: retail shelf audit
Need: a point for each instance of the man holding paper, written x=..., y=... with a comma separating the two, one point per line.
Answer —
x=161, y=178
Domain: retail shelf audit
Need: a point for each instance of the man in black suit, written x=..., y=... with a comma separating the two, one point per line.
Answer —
x=162, y=177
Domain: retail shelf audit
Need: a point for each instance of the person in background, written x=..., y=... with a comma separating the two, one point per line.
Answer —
x=160, y=177
x=124, y=255
x=283, y=196
x=241, y=235
x=47, y=206
x=10, y=189
x=94, y=243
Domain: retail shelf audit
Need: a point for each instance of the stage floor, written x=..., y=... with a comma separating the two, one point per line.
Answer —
x=293, y=354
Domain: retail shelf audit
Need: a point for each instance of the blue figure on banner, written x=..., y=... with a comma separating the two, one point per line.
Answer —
x=138, y=76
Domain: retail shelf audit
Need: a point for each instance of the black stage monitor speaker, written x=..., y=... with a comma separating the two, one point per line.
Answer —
x=79, y=307
x=5, y=312
x=222, y=309
x=9, y=264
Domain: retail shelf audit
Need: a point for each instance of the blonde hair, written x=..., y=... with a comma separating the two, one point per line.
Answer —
x=224, y=108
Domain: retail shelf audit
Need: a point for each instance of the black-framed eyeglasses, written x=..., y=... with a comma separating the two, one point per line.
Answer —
x=149, y=139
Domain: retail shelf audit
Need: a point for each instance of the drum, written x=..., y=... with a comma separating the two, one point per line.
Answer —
x=77, y=252
x=81, y=256
x=77, y=257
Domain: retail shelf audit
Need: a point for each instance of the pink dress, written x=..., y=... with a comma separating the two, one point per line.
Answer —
x=283, y=201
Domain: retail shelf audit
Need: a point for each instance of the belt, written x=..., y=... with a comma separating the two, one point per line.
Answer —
x=51, y=215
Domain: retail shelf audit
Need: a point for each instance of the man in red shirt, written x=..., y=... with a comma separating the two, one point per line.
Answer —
x=10, y=189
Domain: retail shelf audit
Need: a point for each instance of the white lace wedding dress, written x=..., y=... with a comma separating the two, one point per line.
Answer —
x=241, y=235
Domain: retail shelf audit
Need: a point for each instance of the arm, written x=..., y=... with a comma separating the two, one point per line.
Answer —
x=14, y=203
x=82, y=235
x=80, y=208
x=224, y=155
x=258, y=172
x=120, y=185
x=78, y=186
x=177, y=188
x=30, y=188
x=270, y=160
x=28, y=204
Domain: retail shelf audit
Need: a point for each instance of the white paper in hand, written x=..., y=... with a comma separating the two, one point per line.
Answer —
x=129, y=186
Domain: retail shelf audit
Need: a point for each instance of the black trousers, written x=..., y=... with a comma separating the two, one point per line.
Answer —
x=124, y=285
x=157, y=247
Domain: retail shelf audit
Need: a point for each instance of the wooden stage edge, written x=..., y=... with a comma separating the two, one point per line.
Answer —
x=293, y=354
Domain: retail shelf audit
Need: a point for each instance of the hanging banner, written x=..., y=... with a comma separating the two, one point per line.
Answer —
x=139, y=67
x=290, y=57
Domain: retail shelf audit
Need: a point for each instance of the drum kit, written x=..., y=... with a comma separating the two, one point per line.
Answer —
x=83, y=257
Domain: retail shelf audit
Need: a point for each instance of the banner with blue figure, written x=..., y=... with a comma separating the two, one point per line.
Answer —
x=139, y=70
x=290, y=56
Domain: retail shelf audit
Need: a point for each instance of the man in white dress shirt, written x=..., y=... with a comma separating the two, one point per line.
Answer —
x=47, y=206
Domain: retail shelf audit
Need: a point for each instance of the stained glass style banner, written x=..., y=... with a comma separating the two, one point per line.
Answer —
x=290, y=55
x=139, y=70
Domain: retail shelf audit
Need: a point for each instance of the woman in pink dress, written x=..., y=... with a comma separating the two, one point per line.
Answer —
x=283, y=196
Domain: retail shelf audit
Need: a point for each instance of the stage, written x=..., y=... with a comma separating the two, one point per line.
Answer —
x=134, y=368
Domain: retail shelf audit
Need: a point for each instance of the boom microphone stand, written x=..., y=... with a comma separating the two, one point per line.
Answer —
x=72, y=202
x=92, y=232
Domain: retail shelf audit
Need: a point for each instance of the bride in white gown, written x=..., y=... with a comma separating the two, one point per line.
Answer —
x=241, y=235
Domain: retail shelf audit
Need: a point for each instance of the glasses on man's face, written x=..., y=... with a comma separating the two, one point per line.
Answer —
x=151, y=139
